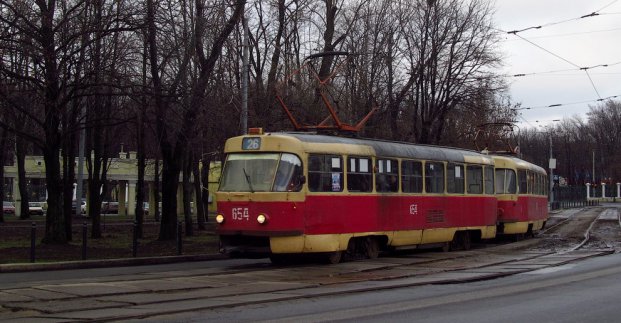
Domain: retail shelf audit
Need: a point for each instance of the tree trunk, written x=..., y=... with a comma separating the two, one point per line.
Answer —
x=55, y=231
x=201, y=209
x=20, y=153
x=205, y=190
x=141, y=167
x=156, y=188
x=170, y=181
x=55, y=222
x=3, y=139
x=187, y=193
x=68, y=179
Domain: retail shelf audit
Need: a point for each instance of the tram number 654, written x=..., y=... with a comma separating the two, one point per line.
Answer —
x=240, y=213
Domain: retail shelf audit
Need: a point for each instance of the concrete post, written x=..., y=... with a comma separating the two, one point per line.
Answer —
x=588, y=185
x=131, y=197
x=122, y=198
x=619, y=190
x=603, y=190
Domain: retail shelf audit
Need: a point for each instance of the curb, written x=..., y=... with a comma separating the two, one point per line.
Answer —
x=102, y=263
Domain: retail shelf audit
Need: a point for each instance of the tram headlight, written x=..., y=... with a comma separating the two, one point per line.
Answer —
x=220, y=218
x=262, y=218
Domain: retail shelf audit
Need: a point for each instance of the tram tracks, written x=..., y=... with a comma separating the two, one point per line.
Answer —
x=125, y=298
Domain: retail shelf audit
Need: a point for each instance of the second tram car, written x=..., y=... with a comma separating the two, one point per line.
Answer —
x=521, y=189
x=296, y=193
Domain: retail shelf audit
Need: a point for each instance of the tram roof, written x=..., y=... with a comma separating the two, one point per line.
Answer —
x=522, y=164
x=393, y=149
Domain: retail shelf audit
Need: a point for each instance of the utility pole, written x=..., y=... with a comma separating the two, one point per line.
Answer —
x=552, y=167
x=593, y=163
x=245, y=75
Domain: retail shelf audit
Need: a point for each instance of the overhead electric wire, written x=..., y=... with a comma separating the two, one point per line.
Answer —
x=585, y=69
x=606, y=6
x=526, y=121
x=564, y=35
x=580, y=68
x=592, y=14
x=593, y=84
x=563, y=70
x=549, y=52
x=568, y=103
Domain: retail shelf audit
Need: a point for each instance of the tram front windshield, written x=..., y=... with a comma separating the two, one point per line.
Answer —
x=262, y=172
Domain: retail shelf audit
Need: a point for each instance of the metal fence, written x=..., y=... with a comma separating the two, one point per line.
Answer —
x=566, y=197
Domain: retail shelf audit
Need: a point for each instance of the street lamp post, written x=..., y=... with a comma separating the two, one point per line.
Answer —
x=552, y=167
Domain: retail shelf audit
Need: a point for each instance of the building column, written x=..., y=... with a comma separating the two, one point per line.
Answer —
x=131, y=197
x=588, y=185
x=122, y=198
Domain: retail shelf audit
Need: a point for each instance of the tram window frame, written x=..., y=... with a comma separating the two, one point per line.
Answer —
x=505, y=186
x=488, y=178
x=386, y=175
x=412, y=176
x=531, y=182
x=522, y=181
x=434, y=177
x=359, y=177
x=474, y=179
x=455, y=178
x=325, y=173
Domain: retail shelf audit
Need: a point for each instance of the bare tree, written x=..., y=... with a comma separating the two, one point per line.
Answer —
x=173, y=134
x=450, y=46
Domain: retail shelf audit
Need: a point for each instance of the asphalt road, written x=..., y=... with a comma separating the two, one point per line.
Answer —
x=30, y=278
x=587, y=291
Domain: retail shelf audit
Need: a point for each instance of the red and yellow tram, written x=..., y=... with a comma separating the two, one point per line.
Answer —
x=521, y=189
x=295, y=193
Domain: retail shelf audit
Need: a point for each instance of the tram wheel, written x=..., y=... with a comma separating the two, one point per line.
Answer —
x=334, y=257
x=372, y=248
x=466, y=240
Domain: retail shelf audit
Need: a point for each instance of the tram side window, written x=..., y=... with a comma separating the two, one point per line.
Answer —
x=489, y=180
x=474, y=179
x=523, y=181
x=543, y=184
x=412, y=176
x=531, y=183
x=359, y=176
x=455, y=178
x=387, y=176
x=325, y=173
x=505, y=181
x=434, y=177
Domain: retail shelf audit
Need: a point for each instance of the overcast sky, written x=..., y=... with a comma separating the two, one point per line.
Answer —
x=566, y=42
